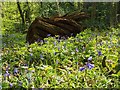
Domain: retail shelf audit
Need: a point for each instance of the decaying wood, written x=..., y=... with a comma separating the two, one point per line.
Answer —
x=62, y=26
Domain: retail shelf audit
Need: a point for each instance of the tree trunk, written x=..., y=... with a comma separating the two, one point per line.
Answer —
x=118, y=12
x=27, y=13
x=93, y=14
x=113, y=14
x=21, y=13
x=58, y=8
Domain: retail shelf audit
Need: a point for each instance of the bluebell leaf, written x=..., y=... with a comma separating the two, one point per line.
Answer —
x=82, y=68
x=90, y=66
x=8, y=68
x=64, y=45
x=90, y=58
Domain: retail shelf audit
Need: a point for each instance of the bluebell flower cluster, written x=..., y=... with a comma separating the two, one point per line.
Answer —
x=88, y=65
x=7, y=74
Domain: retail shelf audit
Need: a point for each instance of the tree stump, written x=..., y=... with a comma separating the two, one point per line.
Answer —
x=62, y=25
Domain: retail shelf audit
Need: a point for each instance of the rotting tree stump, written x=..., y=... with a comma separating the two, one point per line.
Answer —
x=63, y=26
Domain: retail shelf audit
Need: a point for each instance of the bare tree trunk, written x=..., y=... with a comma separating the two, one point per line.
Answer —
x=118, y=12
x=27, y=13
x=58, y=7
x=93, y=14
x=79, y=6
x=21, y=13
x=113, y=14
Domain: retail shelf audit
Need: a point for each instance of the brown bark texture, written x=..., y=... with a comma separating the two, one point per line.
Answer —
x=58, y=25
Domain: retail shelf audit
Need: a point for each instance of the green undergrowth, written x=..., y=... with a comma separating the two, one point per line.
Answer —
x=62, y=63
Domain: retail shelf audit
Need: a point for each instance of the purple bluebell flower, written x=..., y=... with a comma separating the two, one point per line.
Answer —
x=55, y=53
x=54, y=43
x=83, y=48
x=40, y=88
x=90, y=58
x=82, y=68
x=38, y=40
x=48, y=35
x=58, y=48
x=15, y=70
x=6, y=75
x=25, y=64
x=71, y=34
x=41, y=41
x=77, y=50
x=87, y=65
x=56, y=61
x=41, y=56
x=90, y=66
x=109, y=46
x=11, y=85
x=63, y=38
x=99, y=53
x=31, y=54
